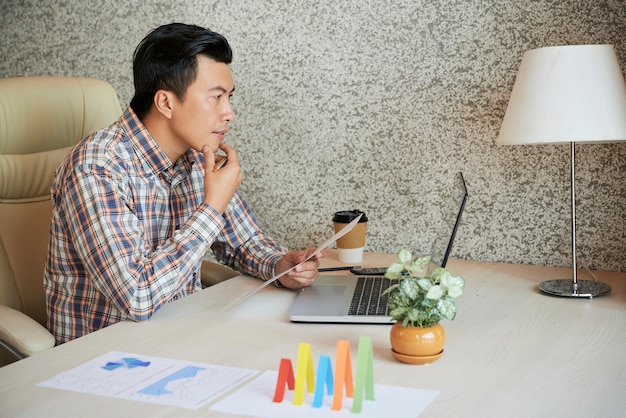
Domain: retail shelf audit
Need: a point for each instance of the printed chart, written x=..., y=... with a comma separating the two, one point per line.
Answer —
x=150, y=379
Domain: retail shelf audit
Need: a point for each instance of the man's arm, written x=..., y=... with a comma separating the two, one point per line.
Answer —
x=111, y=240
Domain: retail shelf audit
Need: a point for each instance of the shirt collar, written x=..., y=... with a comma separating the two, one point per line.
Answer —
x=153, y=157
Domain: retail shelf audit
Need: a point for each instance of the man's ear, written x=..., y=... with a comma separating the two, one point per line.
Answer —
x=164, y=102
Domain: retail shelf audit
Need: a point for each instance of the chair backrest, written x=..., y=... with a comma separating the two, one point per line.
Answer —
x=41, y=118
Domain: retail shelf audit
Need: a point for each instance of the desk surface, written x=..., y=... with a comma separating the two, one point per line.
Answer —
x=511, y=351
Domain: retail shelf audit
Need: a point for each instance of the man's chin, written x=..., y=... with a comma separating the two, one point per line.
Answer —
x=215, y=149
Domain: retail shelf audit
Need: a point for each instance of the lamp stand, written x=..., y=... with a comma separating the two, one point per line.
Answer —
x=574, y=287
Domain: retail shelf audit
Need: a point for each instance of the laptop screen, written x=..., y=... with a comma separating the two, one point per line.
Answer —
x=450, y=220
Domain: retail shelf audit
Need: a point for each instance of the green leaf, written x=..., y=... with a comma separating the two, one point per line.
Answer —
x=447, y=308
x=455, y=291
x=419, y=264
x=404, y=256
x=397, y=313
x=409, y=287
x=394, y=271
x=457, y=281
x=413, y=315
x=424, y=284
x=435, y=293
x=440, y=274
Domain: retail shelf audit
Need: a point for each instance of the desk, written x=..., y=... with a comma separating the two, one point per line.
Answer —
x=510, y=352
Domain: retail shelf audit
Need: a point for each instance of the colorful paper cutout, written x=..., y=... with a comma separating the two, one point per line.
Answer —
x=285, y=378
x=305, y=378
x=304, y=373
x=343, y=374
x=364, y=379
x=324, y=379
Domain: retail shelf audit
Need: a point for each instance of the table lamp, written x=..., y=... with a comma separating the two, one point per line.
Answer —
x=569, y=94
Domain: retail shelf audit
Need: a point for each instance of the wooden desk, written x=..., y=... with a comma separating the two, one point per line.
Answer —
x=510, y=352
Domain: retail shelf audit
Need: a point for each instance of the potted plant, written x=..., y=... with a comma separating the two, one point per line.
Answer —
x=418, y=303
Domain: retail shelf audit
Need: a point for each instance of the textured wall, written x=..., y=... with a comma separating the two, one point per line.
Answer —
x=373, y=105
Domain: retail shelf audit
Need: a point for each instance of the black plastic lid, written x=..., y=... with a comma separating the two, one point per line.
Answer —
x=347, y=216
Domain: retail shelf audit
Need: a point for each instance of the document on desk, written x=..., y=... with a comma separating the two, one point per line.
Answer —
x=150, y=379
x=318, y=250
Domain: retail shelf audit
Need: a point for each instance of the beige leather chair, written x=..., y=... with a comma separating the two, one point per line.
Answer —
x=41, y=118
x=214, y=273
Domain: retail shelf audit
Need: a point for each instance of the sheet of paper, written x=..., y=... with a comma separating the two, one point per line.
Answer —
x=318, y=250
x=255, y=400
x=150, y=379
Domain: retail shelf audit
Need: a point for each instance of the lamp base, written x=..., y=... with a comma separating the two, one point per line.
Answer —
x=567, y=288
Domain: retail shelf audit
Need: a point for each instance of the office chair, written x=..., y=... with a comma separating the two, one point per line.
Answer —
x=41, y=118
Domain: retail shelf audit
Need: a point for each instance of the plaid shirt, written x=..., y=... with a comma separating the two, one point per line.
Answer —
x=130, y=230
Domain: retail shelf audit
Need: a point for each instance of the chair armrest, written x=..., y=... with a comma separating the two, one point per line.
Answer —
x=213, y=273
x=22, y=333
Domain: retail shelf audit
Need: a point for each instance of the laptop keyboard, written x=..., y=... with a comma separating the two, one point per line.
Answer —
x=367, y=298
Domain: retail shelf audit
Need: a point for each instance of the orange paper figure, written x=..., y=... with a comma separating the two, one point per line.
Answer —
x=343, y=374
x=285, y=377
x=304, y=373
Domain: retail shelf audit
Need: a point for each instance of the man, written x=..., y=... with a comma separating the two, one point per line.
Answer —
x=138, y=204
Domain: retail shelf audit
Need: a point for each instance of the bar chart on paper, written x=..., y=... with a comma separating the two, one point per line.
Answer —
x=150, y=379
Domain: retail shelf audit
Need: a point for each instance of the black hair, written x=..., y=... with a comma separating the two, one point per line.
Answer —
x=166, y=59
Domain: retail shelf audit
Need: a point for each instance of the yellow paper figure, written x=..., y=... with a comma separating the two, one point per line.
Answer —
x=304, y=373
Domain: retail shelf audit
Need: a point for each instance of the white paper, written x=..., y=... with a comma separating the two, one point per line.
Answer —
x=255, y=400
x=150, y=379
x=318, y=250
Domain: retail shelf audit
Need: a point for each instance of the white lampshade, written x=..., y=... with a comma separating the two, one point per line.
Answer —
x=571, y=93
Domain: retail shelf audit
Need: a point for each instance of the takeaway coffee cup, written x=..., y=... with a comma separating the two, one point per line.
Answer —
x=350, y=246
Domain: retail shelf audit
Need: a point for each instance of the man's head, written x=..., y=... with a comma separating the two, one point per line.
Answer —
x=167, y=59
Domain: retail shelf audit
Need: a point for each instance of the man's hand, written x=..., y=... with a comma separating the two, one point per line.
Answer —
x=220, y=185
x=303, y=275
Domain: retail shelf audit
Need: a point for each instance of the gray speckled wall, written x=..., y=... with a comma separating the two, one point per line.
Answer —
x=373, y=105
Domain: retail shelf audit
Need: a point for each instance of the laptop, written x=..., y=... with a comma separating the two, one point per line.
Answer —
x=358, y=299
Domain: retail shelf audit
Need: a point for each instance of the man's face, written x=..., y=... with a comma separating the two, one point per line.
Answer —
x=202, y=118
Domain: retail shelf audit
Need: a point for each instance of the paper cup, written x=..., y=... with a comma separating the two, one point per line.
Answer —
x=350, y=246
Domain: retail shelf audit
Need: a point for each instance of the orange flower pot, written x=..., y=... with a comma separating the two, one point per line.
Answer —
x=417, y=345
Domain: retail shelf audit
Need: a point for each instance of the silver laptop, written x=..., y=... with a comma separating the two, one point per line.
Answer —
x=359, y=299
